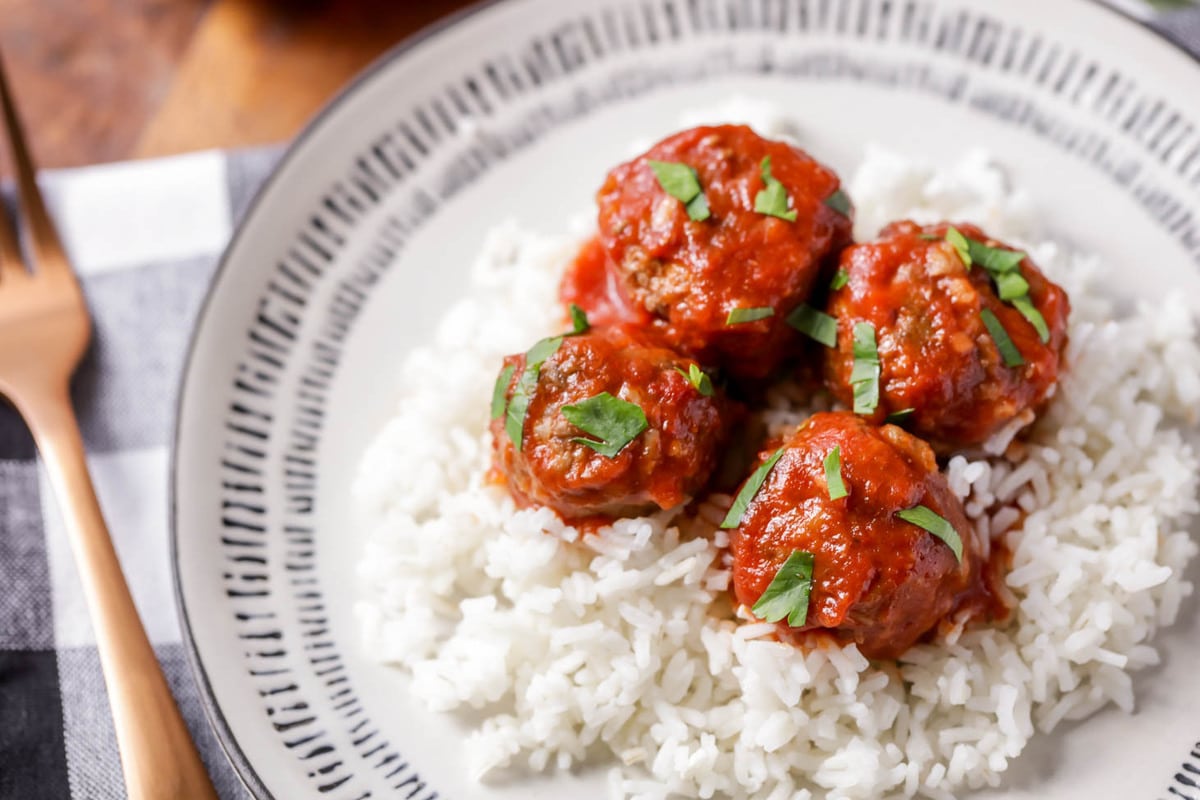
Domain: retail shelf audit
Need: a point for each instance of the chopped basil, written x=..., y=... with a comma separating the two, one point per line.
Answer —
x=1011, y=285
x=833, y=474
x=698, y=378
x=681, y=182
x=1029, y=312
x=960, y=244
x=615, y=422
x=786, y=596
x=839, y=201
x=899, y=416
x=518, y=405
x=815, y=324
x=1008, y=350
x=864, y=378
x=939, y=526
x=994, y=259
x=740, y=315
x=772, y=199
x=840, y=279
x=501, y=390
x=579, y=320
x=749, y=490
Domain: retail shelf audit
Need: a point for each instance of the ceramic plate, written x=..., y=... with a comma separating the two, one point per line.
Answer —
x=516, y=109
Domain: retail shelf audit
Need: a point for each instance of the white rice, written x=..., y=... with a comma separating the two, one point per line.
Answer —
x=622, y=646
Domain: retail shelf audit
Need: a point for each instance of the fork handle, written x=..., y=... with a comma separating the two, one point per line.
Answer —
x=158, y=757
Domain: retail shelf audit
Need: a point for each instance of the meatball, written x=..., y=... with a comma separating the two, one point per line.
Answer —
x=686, y=269
x=938, y=361
x=877, y=580
x=612, y=426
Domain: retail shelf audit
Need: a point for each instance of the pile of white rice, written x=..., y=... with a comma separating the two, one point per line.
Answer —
x=622, y=646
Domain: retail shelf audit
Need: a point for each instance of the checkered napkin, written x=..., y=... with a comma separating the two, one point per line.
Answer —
x=145, y=238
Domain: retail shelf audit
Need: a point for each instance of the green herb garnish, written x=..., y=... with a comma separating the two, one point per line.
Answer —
x=518, y=405
x=772, y=199
x=681, y=182
x=899, y=416
x=740, y=315
x=1004, y=268
x=840, y=279
x=698, y=378
x=749, y=490
x=833, y=474
x=839, y=201
x=1008, y=350
x=501, y=389
x=815, y=324
x=960, y=244
x=579, y=321
x=787, y=594
x=615, y=422
x=1029, y=312
x=940, y=527
x=864, y=378
x=1011, y=285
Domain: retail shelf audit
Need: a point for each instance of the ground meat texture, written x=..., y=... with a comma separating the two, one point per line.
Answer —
x=686, y=276
x=878, y=580
x=937, y=358
x=661, y=468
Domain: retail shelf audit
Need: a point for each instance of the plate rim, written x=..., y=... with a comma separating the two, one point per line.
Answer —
x=226, y=740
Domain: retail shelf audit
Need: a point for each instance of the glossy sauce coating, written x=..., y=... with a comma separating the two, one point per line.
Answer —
x=936, y=356
x=878, y=580
x=686, y=276
x=661, y=468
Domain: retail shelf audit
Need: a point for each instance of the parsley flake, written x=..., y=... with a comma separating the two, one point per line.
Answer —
x=936, y=524
x=1004, y=268
x=786, y=596
x=501, y=389
x=615, y=422
x=1030, y=312
x=839, y=201
x=961, y=245
x=683, y=183
x=864, y=377
x=815, y=324
x=840, y=279
x=749, y=490
x=772, y=199
x=739, y=315
x=897, y=417
x=518, y=405
x=833, y=474
x=579, y=321
x=1004, y=343
x=698, y=378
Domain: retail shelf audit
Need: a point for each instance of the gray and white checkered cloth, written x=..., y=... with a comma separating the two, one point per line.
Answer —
x=145, y=238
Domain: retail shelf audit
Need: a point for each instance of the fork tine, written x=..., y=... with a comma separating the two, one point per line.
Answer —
x=46, y=244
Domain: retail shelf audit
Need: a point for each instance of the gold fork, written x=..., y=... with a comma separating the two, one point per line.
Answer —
x=44, y=331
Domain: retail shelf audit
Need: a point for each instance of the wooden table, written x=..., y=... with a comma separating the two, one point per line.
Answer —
x=106, y=80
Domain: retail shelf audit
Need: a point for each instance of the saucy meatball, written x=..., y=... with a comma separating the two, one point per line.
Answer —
x=877, y=580
x=940, y=327
x=605, y=425
x=751, y=244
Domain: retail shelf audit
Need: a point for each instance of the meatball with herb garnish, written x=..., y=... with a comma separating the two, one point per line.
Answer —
x=945, y=330
x=850, y=528
x=602, y=424
x=714, y=237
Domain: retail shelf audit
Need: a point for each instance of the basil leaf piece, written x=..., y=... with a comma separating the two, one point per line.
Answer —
x=839, y=201
x=1008, y=350
x=1011, y=285
x=833, y=474
x=772, y=199
x=500, y=390
x=683, y=183
x=615, y=422
x=864, y=377
x=749, y=490
x=739, y=315
x=939, y=526
x=840, y=279
x=786, y=596
x=897, y=417
x=960, y=243
x=698, y=378
x=815, y=324
x=1030, y=312
x=518, y=405
x=579, y=321
x=543, y=350
x=995, y=260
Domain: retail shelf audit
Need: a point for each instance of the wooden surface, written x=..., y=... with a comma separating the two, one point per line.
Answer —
x=105, y=80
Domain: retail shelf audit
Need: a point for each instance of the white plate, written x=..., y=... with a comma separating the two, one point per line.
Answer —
x=364, y=234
